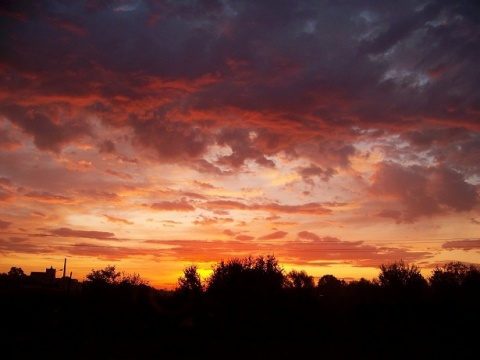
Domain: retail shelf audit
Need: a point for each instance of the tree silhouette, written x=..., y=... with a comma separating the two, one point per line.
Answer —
x=104, y=276
x=252, y=302
x=16, y=272
x=299, y=280
x=472, y=280
x=449, y=277
x=15, y=278
x=329, y=285
x=190, y=283
x=363, y=290
x=456, y=279
x=247, y=275
x=398, y=276
x=245, y=296
x=452, y=274
x=131, y=279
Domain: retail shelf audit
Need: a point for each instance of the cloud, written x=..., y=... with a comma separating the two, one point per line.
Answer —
x=307, y=235
x=421, y=191
x=179, y=205
x=38, y=214
x=48, y=132
x=244, y=237
x=118, y=220
x=229, y=232
x=311, y=249
x=107, y=147
x=46, y=196
x=313, y=96
x=8, y=140
x=89, y=234
x=5, y=194
x=196, y=250
x=24, y=246
x=99, y=194
x=309, y=208
x=67, y=25
x=450, y=188
x=204, y=220
x=274, y=236
x=109, y=252
x=173, y=141
x=313, y=171
x=126, y=5
x=465, y=244
x=4, y=224
x=121, y=175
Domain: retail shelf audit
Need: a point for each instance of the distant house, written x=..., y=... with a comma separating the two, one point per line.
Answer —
x=46, y=278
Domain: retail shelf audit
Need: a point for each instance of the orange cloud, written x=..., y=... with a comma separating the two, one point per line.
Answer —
x=118, y=220
x=466, y=244
x=89, y=234
x=274, y=236
x=4, y=224
x=180, y=205
x=45, y=196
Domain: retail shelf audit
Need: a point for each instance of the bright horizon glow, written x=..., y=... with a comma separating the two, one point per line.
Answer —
x=154, y=135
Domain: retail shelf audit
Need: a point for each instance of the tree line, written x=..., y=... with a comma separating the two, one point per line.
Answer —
x=265, y=272
x=252, y=307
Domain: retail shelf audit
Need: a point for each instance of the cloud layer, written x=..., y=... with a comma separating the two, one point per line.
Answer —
x=261, y=126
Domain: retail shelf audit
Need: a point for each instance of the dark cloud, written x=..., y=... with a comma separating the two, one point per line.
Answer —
x=310, y=208
x=5, y=194
x=465, y=244
x=313, y=65
x=242, y=147
x=173, y=141
x=7, y=140
x=98, y=194
x=48, y=133
x=45, y=196
x=274, y=236
x=4, y=224
x=313, y=171
x=119, y=174
x=422, y=191
x=89, y=234
x=244, y=237
x=107, y=147
x=450, y=188
x=179, y=205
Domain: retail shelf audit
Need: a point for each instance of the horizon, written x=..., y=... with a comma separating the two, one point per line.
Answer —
x=152, y=135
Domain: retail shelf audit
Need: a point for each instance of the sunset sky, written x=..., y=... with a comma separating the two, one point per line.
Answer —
x=155, y=134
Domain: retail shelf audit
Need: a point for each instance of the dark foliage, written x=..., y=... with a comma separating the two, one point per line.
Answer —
x=248, y=308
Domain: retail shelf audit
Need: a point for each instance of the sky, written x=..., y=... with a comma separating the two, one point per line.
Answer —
x=155, y=134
